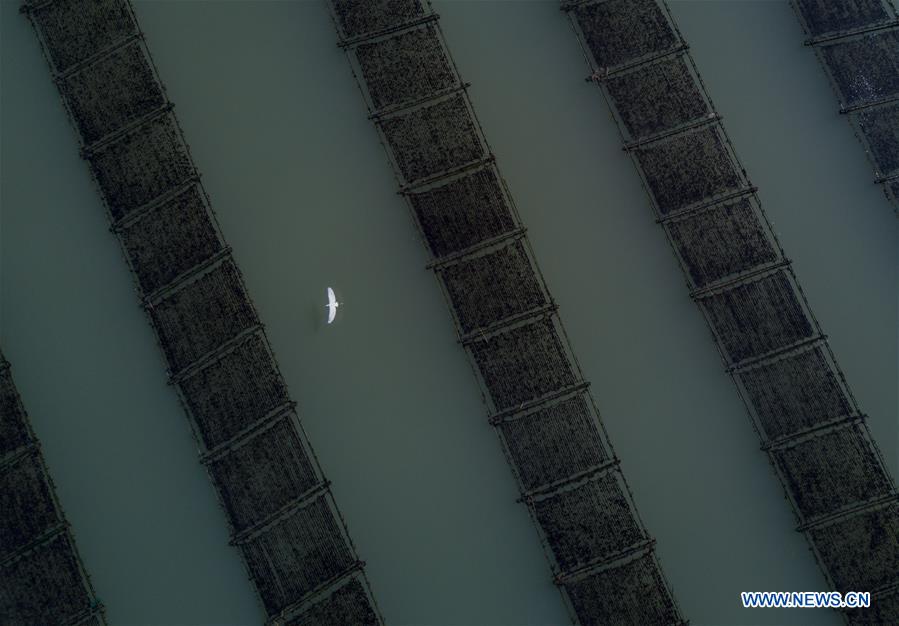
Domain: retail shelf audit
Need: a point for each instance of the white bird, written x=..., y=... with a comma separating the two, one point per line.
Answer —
x=332, y=305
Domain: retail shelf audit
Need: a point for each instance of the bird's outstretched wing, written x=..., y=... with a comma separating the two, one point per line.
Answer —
x=332, y=305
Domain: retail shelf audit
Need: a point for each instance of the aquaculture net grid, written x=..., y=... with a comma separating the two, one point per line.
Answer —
x=796, y=395
x=42, y=577
x=278, y=504
x=505, y=317
x=857, y=45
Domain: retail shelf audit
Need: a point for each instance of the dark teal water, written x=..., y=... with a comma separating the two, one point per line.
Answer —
x=306, y=199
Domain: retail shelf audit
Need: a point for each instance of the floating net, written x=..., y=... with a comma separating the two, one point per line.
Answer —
x=884, y=609
x=463, y=212
x=832, y=471
x=492, y=286
x=861, y=552
x=72, y=30
x=297, y=555
x=141, y=166
x=202, y=315
x=112, y=92
x=171, y=239
x=92, y=620
x=607, y=596
x=262, y=475
x=204, y=320
x=589, y=522
x=234, y=392
x=688, y=168
x=757, y=317
x=864, y=69
x=42, y=579
x=523, y=364
x=892, y=191
x=724, y=241
x=45, y=585
x=795, y=393
x=361, y=17
x=556, y=442
x=404, y=68
x=349, y=605
x=778, y=356
x=13, y=429
x=879, y=127
x=433, y=139
x=621, y=31
x=656, y=97
x=826, y=16
x=27, y=508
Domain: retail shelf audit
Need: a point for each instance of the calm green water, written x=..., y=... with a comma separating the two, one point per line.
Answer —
x=306, y=199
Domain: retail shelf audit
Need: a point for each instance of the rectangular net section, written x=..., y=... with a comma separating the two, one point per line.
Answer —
x=884, y=610
x=142, y=165
x=879, y=127
x=13, y=427
x=44, y=586
x=140, y=162
x=657, y=97
x=170, y=239
x=234, y=392
x=589, y=522
x=764, y=315
x=721, y=242
x=861, y=552
x=91, y=620
x=891, y=189
x=202, y=315
x=463, y=212
x=864, y=69
x=361, y=17
x=406, y=67
x=263, y=475
x=554, y=443
x=297, y=555
x=618, y=32
x=754, y=318
x=795, y=393
x=348, y=605
x=112, y=92
x=491, y=287
x=688, y=168
x=831, y=471
x=607, y=597
x=27, y=508
x=833, y=16
x=433, y=139
x=523, y=364
x=73, y=30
